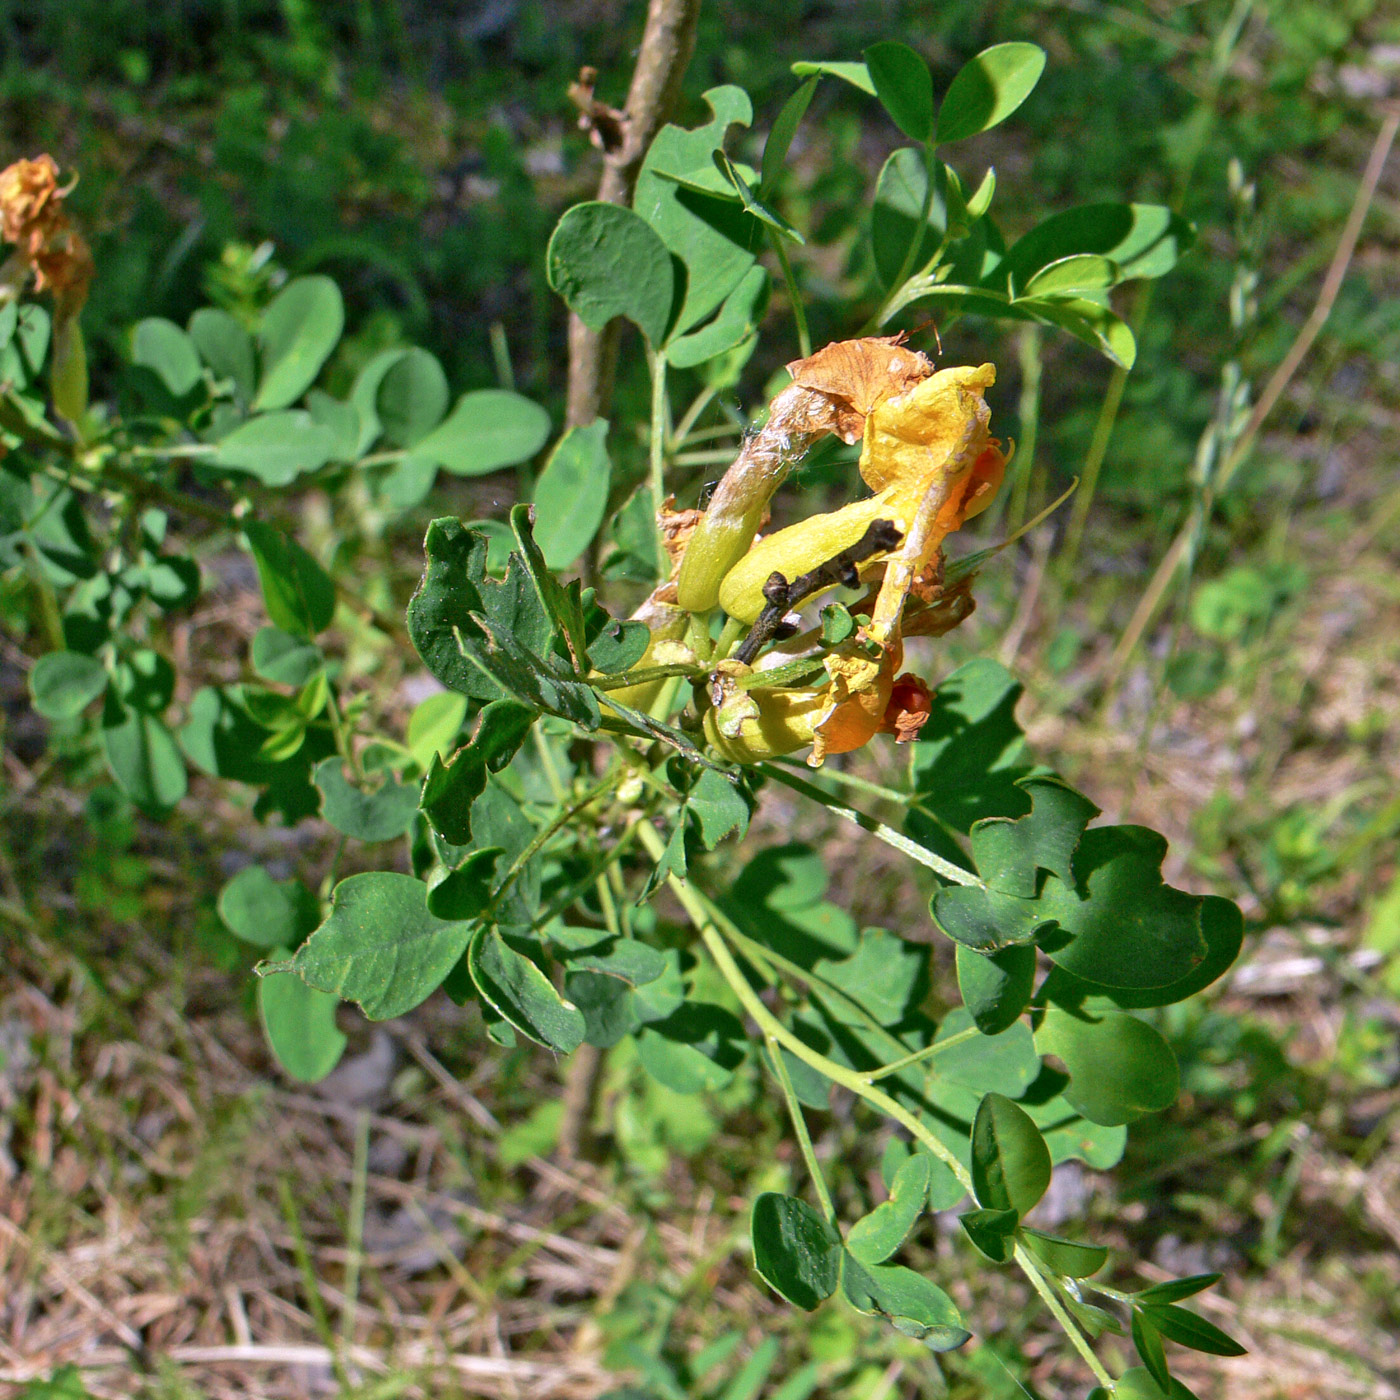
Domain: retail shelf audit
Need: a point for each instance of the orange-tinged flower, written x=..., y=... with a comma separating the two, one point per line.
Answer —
x=33, y=218
x=29, y=199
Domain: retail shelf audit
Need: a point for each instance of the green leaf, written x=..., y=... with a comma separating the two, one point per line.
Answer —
x=381, y=946
x=915, y=1306
x=1188, y=1329
x=607, y=1006
x=904, y=86
x=983, y=920
x=164, y=349
x=367, y=816
x=1119, y=1067
x=1137, y=1384
x=986, y=90
x=1174, y=1290
x=853, y=73
x=1010, y=1162
x=897, y=216
x=737, y=319
x=695, y=1049
x=885, y=974
x=412, y=398
x=268, y=913
x=299, y=1023
x=1222, y=927
x=1140, y=240
x=796, y=1251
x=633, y=535
x=1068, y=1258
x=740, y=179
x=284, y=659
x=465, y=892
x=561, y=605
x=434, y=725
x=143, y=757
x=1010, y=854
x=672, y=862
x=874, y=1237
x=780, y=136
x=1005, y=1063
x=297, y=591
x=451, y=789
x=607, y=261
x=487, y=430
x=971, y=751
x=62, y=684
x=298, y=332
x=712, y=237
x=66, y=1383
x=1148, y=1342
x=992, y=1232
x=571, y=495
x=720, y=807
x=523, y=994
x=488, y=638
x=996, y=987
x=145, y=681
x=1123, y=926
x=630, y=961
x=1086, y=320
x=277, y=447
x=226, y=348
x=618, y=647
x=340, y=419
x=364, y=395
x=1069, y=1136
x=1077, y=273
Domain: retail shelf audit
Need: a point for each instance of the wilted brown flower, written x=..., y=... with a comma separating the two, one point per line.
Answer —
x=33, y=218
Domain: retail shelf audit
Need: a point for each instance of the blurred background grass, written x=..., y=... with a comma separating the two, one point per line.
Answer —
x=170, y=1211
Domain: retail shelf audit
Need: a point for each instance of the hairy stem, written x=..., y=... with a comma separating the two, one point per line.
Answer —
x=877, y=829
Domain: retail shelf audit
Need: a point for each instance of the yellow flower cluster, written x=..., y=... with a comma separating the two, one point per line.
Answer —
x=930, y=463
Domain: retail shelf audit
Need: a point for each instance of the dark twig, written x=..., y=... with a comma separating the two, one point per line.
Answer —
x=880, y=537
x=667, y=43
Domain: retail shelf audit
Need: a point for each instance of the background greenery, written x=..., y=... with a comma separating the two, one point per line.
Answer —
x=159, y=1184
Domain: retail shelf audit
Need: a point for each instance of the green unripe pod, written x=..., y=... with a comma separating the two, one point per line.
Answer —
x=793, y=552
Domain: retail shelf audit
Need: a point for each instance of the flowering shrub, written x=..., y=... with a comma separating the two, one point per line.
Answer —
x=588, y=751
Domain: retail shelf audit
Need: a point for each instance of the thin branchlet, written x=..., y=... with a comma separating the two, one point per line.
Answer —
x=880, y=537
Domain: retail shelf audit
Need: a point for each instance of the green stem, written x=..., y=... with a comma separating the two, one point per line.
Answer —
x=702, y=915
x=1222, y=52
x=799, y=1127
x=319, y=1317
x=767, y=960
x=683, y=429
x=561, y=819
x=698, y=907
x=799, y=312
x=896, y=795
x=1098, y=445
x=355, y=1233
x=926, y=1053
x=891, y=301
x=1061, y=1315
x=733, y=630
x=49, y=613
x=657, y=447
x=647, y=673
x=877, y=829
x=1028, y=350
